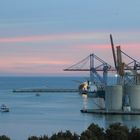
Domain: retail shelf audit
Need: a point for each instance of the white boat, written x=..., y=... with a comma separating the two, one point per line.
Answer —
x=4, y=108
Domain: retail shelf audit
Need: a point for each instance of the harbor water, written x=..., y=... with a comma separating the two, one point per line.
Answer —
x=49, y=112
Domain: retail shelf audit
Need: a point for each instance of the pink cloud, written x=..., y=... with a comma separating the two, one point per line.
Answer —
x=63, y=57
x=54, y=37
x=30, y=61
x=31, y=64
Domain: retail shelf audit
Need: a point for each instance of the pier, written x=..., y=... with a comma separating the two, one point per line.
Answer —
x=111, y=112
x=46, y=90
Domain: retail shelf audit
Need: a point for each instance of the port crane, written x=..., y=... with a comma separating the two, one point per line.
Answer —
x=127, y=72
x=95, y=65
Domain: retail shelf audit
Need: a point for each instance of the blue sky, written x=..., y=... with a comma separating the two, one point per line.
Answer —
x=44, y=37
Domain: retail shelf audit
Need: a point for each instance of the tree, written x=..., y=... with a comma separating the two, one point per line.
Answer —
x=88, y=135
x=33, y=138
x=117, y=131
x=3, y=137
x=64, y=136
x=38, y=138
x=93, y=132
x=134, y=134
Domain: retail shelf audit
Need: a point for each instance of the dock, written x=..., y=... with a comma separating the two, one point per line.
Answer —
x=46, y=90
x=112, y=112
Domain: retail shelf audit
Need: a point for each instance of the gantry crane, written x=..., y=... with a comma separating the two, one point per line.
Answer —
x=95, y=65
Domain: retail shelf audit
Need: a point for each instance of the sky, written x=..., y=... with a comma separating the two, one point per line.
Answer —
x=43, y=37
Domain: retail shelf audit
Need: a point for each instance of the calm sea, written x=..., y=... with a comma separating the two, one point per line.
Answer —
x=50, y=112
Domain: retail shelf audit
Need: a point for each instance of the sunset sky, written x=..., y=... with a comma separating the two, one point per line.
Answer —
x=43, y=37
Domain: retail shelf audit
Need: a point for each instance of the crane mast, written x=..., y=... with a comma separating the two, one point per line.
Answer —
x=113, y=51
x=122, y=67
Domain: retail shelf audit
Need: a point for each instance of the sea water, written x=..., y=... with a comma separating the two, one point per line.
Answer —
x=49, y=113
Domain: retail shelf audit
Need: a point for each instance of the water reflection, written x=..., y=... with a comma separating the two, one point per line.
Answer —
x=128, y=120
x=92, y=103
x=105, y=120
x=85, y=101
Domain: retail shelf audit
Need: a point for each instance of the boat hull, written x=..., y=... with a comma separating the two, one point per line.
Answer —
x=4, y=108
x=94, y=94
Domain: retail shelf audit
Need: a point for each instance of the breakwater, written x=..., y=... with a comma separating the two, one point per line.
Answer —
x=45, y=90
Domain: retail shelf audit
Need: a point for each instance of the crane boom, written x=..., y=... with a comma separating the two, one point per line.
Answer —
x=113, y=51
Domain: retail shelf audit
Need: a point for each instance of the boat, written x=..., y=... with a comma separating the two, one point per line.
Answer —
x=37, y=94
x=4, y=108
x=88, y=88
x=91, y=89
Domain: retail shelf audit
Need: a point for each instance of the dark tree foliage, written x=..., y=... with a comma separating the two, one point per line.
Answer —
x=3, y=137
x=93, y=132
x=88, y=135
x=117, y=131
x=64, y=136
x=134, y=134
x=33, y=138
x=97, y=131
x=38, y=138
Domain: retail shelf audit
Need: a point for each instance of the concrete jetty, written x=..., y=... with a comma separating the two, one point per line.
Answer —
x=111, y=112
x=46, y=90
